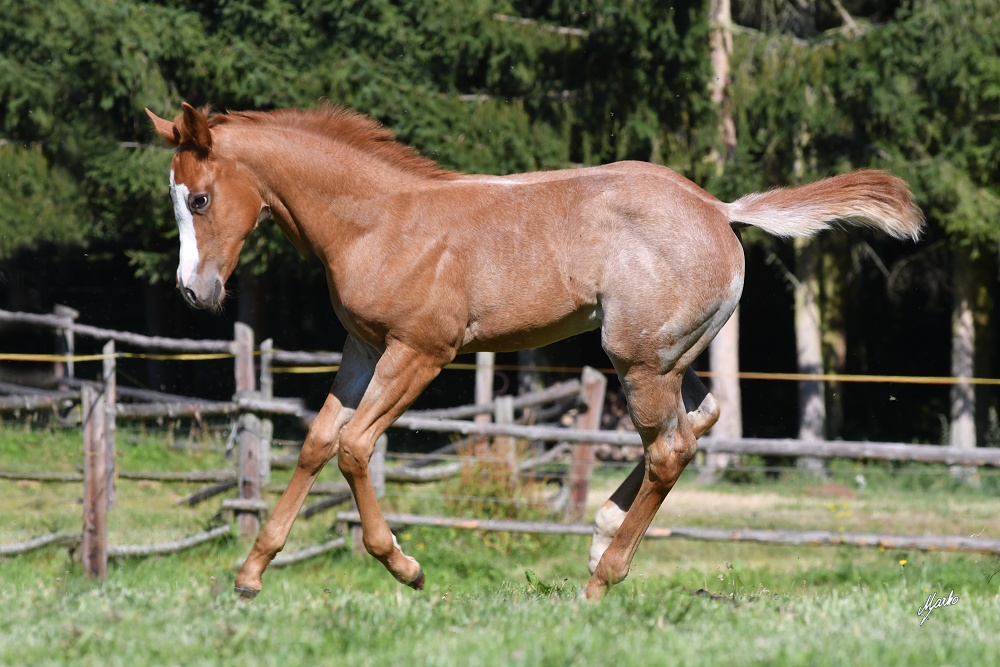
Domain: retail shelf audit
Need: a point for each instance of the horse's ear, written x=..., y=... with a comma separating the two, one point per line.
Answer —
x=194, y=128
x=165, y=129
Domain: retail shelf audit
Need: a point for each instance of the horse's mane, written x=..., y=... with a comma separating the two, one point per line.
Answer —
x=342, y=124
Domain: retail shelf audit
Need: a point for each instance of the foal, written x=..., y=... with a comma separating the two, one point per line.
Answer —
x=423, y=264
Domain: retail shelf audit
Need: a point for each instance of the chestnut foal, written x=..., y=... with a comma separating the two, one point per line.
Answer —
x=423, y=264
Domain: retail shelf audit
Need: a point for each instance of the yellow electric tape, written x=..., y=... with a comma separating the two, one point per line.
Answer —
x=745, y=375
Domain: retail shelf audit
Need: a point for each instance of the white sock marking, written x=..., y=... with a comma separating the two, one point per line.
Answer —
x=607, y=521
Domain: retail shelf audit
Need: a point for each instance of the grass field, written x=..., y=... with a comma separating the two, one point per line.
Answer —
x=494, y=599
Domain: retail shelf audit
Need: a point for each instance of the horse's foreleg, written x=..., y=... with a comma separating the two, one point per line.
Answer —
x=320, y=447
x=400, y=376
x=702, y=411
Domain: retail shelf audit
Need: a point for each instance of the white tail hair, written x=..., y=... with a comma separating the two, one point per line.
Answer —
x=867, y=197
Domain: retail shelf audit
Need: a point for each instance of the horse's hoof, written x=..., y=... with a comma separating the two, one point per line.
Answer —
x=246, y=594
x=417, y=583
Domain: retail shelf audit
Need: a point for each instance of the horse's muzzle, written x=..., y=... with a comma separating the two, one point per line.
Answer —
x=202, y=293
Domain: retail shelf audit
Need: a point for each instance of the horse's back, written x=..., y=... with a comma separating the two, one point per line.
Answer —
x=556, y=250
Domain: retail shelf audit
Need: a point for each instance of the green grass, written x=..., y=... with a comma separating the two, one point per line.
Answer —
x=499, y=600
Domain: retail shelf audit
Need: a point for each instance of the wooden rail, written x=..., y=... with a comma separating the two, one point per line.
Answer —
x=787, y=537
x=139, y=340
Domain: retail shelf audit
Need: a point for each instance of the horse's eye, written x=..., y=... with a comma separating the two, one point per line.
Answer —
x=198, y=202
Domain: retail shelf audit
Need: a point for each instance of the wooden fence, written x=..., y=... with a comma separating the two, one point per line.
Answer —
x=103, y=404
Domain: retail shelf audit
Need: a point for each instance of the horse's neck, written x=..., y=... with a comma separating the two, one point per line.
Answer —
x=314, y=194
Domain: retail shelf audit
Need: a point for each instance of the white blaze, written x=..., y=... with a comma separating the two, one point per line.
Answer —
x=185, y=226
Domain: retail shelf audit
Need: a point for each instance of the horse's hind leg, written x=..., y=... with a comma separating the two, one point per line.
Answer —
x=668, y=438
x=702, y=412
x=321, y=445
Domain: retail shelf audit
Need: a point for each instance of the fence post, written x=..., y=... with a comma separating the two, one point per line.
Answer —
x=376, y=471
x=266, y=392
x=484, y=381
x=65, y=343
x=252, y=475
x=243, y=351
x=94, y=544
x=505, y=447
x=266, y=376
x=592, y=390
x=254, y=450
x=110, y=363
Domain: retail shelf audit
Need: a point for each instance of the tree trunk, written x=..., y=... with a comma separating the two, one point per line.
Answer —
x=721, y=43
x=834, y=268
x=809, y=351
x=987, y=400
x=962, y=428
x=724, y=357
x=724, y=351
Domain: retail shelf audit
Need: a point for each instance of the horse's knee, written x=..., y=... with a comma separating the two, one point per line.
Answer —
x=317, y=451
x=323, y=439
x=355, y=451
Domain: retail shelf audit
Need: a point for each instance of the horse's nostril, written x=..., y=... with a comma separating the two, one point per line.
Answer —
x=189, y=295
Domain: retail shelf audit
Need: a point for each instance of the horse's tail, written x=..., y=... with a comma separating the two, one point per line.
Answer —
x=868, y=197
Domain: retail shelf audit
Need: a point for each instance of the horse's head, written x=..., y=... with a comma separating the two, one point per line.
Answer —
x=215, y=204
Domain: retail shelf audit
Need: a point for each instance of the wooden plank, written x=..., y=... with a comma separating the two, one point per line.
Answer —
x=110, y=397
x=252, y=505
x=196, y=407
x=786, y=537
x=246, y=382
x=250, y=484
x=204, y=494
x=330, y=502
x=557, y=392
x=163, y=548
x=95, y=492
x=505, y=447
x=22, y=390
x=266, y=363
x=42, y=476
x=191, y=476
x=65, y=342
x=871, y=451
x=484, y=382
x=283, y=559
x=29, y=403
x=874, y=451
x=19, y=548
x=138, y=340
x=593, y=388
x=307, y=358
